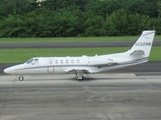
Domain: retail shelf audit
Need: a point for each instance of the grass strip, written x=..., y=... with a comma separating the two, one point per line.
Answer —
x=72, y=39
x=22, y=55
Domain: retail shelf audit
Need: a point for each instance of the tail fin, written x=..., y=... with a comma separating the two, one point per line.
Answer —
x=143, y=44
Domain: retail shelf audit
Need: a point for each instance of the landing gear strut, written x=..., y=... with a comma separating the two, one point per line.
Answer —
x=80, y=77
x=21, y=78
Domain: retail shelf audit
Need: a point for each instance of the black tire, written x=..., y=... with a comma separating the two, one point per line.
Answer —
x=81, y=79
x=21, y=78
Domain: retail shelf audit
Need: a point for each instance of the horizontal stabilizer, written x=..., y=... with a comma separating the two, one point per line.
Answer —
x=138, y=52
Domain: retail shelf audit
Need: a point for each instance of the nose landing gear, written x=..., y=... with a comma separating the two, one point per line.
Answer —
x=20, y=78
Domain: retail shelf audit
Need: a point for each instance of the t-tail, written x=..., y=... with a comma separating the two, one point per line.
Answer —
x=142, y=47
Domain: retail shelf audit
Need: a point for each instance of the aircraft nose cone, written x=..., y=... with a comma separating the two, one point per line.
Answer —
x=7, y=70
x=13, y=69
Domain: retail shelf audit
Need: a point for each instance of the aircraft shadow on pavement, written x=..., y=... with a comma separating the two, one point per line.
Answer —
x=61, y=78
x=74, y=78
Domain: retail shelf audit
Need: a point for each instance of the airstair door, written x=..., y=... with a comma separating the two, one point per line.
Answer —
x=51, y=66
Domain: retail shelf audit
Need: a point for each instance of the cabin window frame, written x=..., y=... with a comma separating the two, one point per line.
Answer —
x=67, y=61
x=61, y=61
x=56, y=62
x=78, y=61
x=72, y=61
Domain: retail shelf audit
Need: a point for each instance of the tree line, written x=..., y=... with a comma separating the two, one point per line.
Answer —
x=78, y=18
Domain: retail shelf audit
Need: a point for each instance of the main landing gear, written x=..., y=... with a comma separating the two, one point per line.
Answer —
x=81, y=78
x=80, y=75
x=21, y=78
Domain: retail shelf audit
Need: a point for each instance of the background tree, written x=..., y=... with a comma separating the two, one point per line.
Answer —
x=74, y=18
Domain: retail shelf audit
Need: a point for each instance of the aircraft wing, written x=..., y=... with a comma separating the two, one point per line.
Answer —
x=106, y=65
x=87, y=70
x=79, y=70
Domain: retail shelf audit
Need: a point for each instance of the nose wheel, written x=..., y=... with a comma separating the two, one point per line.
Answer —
x=20, y=78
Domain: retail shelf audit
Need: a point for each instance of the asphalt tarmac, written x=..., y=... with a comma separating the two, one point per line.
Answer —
x=98, y=97
x=132, y=93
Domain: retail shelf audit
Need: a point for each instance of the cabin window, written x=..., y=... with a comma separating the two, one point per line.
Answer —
x=56, y=61
x=61, y=61
x=72, y=61
x=50, y=61
x=77, y=61
x=67, y=61
x=29, y=61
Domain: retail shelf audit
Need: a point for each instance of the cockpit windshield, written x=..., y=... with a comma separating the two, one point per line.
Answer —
x=33, y=61
x=30, y=61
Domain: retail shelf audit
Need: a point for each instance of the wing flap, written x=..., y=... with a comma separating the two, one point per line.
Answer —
x=106, y=65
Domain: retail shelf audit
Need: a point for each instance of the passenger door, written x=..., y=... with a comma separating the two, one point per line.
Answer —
x=51, y=66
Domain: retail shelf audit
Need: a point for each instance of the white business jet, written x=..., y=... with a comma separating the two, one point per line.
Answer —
x=138, y=54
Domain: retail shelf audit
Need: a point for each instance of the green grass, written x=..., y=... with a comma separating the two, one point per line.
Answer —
x=22, y=55
x=71, y=39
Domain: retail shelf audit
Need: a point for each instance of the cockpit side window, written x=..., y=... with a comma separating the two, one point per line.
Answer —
x=36, y=61
x=29, y=61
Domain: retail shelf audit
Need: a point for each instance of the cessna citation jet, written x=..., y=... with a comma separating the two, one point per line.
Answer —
x=138, y=54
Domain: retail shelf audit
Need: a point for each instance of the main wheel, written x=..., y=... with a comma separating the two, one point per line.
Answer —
x=21, y=78
x=81, y=78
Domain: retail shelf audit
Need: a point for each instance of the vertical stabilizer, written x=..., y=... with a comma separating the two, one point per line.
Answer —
x=143, y=44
